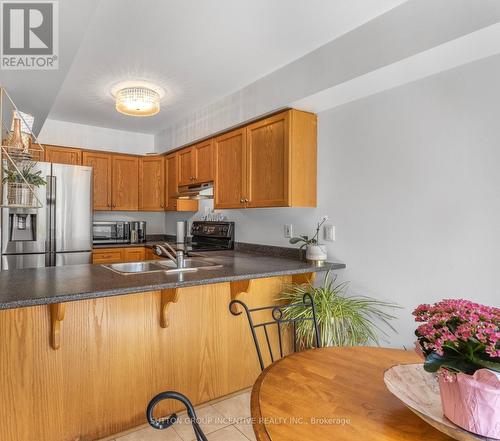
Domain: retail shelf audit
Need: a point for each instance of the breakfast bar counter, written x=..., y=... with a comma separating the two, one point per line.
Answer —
x=41, y=286
x=84, y=348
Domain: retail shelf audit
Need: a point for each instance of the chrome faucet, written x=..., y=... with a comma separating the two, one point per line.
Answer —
x=175, y=256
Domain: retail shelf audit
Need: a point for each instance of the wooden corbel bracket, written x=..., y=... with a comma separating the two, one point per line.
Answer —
x=239, y=287
x=168, y=296
x=304, y=278
x=57, y=312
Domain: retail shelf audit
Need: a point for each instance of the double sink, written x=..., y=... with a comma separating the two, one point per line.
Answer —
x=167, y=266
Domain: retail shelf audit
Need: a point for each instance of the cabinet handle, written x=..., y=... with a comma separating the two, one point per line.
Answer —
x=246, y=200
x=242, y=200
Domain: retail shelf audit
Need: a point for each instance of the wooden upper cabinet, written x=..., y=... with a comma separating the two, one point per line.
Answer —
x=230, y=170
x=101, y=166
x=268, y=162
x=171, y=182
x=125, y=183
x=203, y=158
x=63, y=155
x=186, y=172
x=152, y=183
x=171, y=187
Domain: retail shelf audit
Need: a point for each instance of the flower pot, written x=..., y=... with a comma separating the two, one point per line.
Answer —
x=316, y=253
x=472, y=402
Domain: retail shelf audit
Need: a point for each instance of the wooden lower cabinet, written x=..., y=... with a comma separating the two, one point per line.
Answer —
x=149, y=255
x=114, y=357
x=118, y=254
x=107, y=255
x=135, y=254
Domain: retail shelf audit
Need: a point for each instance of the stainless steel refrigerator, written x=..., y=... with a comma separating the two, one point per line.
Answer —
x=59, y=233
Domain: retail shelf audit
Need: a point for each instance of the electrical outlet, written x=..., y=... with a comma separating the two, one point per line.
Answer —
x=288, y=230
x=329, y=232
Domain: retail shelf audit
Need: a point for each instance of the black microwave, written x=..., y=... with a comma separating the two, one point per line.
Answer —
x=110, y=232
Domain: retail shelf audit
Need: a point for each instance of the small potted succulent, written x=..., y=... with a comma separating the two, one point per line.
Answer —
x=460, y=340
x=314, y=251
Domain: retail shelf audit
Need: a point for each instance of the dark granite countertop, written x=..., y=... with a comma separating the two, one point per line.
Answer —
x=41, y=286
x=148, y=244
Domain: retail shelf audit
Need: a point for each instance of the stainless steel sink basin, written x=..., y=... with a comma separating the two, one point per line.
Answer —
x=191, y=263
x=134, y=267
x=153, y=266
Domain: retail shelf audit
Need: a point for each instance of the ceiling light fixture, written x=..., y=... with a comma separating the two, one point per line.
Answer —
x=137, y=98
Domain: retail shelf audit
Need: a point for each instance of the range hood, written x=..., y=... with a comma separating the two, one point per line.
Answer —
x=196, y=191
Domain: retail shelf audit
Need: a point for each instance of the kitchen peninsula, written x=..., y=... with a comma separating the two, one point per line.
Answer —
x=84, y=348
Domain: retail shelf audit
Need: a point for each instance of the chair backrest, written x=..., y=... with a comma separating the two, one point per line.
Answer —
x=279, y=318
x=167, y=422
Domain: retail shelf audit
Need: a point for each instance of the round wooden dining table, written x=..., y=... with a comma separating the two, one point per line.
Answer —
x=335, y=394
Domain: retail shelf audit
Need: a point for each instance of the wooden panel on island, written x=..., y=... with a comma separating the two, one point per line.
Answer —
x=114, y=357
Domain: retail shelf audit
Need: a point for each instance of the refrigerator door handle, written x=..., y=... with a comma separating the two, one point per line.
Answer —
x=51, y=206
x=47, y=218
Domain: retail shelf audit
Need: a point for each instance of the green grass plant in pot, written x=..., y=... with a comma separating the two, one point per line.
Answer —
x=343, y=320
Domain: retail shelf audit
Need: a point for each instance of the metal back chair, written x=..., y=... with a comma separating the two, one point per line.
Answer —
x=167, y=422
x=278, y=319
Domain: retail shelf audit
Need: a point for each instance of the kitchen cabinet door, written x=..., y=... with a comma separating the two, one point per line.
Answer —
x=149, y=255
x=108, y=255
x=186, y=172
x=267, y=162
x=101, y=165
x=171, y=180
x=135, y=254
x=152, y=183
x=125, y=183
x=203, y=157
x=230, y=170
x=63, y=155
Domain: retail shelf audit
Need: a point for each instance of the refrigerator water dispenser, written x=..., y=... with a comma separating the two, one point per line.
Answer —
x=22, y=227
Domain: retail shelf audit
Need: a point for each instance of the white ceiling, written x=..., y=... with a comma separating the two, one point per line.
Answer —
x=34, y=91
x=199, y=51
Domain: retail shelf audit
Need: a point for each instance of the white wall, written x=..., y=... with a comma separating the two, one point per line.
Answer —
x=410, y=179
x=98, y=138
x=413, y=27
x=95, y=138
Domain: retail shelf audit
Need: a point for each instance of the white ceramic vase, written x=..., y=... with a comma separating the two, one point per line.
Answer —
x=316, y=253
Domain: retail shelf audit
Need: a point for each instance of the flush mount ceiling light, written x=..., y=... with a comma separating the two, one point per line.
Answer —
x=137, y=98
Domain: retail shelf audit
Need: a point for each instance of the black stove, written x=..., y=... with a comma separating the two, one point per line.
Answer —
x=211, y=236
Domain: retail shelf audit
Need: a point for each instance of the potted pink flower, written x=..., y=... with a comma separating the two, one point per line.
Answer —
x=460, y=340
